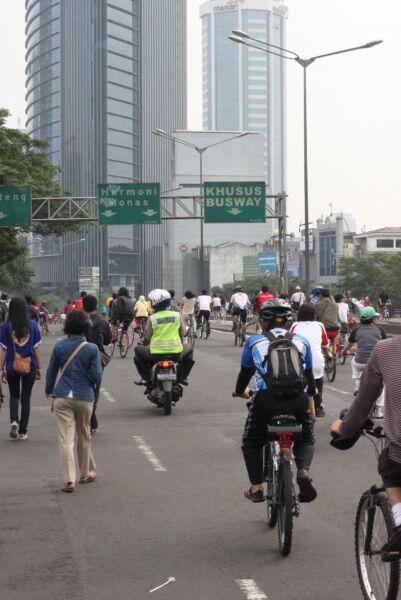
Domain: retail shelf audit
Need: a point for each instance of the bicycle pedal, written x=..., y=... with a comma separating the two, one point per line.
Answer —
x=391, y=556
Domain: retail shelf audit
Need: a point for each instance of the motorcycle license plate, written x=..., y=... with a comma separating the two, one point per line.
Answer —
x=166, y=376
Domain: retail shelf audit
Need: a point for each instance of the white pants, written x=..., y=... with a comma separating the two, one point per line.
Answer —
x=357, y=370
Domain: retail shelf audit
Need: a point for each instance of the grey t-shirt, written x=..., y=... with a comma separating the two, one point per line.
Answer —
x=366, y=338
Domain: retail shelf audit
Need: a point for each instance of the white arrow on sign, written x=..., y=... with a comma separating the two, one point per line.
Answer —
x=108, y=213
x=150, y=212
x=235, y=211
x=2, y=215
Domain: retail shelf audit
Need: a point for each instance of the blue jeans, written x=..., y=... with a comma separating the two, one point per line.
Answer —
x=20, y=387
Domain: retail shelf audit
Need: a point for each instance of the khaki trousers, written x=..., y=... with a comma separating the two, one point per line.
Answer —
x=74, y=416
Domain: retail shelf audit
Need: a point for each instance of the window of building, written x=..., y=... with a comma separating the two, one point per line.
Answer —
x=227, y=73
x=398, y=243
x=120, y=32
x=328, y=253
x=385, y=243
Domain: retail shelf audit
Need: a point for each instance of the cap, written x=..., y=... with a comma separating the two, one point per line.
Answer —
x=369, y=313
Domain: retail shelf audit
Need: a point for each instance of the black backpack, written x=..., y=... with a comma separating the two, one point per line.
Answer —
x=284, y=367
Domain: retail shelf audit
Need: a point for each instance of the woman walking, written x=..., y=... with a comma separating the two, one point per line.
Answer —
x=20, y=363
x=73, y=396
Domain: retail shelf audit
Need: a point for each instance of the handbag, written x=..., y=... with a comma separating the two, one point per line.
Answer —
x=22, y=364
x=104, y=358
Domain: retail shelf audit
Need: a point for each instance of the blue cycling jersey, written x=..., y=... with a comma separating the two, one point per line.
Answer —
x=257, y=346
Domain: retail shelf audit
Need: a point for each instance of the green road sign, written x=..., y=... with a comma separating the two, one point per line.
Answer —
x=128, y=203
x=15, y=205
x=235, y=202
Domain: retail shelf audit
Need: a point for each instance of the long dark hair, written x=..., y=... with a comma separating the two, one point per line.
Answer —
x=18, y=317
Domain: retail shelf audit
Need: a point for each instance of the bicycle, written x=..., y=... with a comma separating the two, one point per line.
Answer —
x=340, y=345
x=190, y=337
x=122, y=341
x=204, y=328
x=378, y=572
x=282, y=500
x=239, y=335
x=44, y=327
x=140, y=329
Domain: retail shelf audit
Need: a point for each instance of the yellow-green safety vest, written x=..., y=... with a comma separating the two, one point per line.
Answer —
x=166, y=339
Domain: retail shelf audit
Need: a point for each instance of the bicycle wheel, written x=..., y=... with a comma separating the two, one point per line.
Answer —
x=130, y=336
x=285, y=508
x=342, y=359
x=378, y=580
x=330, y=368
x=123, y=345
x=270, y=476
x=168, y=398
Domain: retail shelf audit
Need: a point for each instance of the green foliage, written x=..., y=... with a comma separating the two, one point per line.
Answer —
x=370, y=275
x=16, y=275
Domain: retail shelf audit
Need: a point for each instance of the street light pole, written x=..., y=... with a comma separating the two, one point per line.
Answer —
x=200, y=151
x=241, y=37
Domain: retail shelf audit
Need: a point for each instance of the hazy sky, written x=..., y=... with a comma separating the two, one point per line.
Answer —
x=354, y=102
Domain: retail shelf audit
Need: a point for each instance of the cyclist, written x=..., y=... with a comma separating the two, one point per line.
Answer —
x=78, y=301
x=122, y=311
x=204, y=304
x=174, y=304
x=216, y=306
x=274, y=316
x=343, y=315
x=383, y=369
x=141, y=313
x=239, y=305
x=33, y=313
x=365, y=338
x=315, y=333
x=297, y=299
x=188, y=310
x=263, y=296
x=327, y=313
x=44, y=316
x=163, y=338
x=67, y=308
x=384, y=302
x=315, y=294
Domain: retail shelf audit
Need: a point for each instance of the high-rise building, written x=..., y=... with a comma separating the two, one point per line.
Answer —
x=244, y=88
x=100, y=75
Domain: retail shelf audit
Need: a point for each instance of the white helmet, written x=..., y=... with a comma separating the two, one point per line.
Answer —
x=158, y=297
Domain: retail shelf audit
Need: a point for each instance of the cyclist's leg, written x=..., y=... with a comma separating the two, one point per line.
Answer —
x=390, y=472
x=254, y=439
x=185, y=363
x=206, y=315
x=318, y=398
x=357, y=370
x=244, y=315
x=143, y=361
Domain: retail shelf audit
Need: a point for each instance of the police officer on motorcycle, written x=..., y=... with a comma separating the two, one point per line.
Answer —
x=163, y=339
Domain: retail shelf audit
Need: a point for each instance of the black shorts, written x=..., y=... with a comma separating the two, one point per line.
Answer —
x=125, y=324
x=390, y=470
x=240, y=312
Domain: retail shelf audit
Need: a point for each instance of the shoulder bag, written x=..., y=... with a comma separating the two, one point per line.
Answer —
x=68, y=362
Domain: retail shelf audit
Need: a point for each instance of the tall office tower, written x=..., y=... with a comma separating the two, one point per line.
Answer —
x=100, y=74
x=244, y=88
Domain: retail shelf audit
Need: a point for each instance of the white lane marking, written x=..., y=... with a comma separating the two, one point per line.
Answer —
x=107, y=395
x=159, y=587
x=148, y=453
x=251, y=590
x=333, y=389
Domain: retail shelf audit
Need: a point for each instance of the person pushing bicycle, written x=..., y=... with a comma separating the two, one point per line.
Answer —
x=266, y=400
x=382, y=369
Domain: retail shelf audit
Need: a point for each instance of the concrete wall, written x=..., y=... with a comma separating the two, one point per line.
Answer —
x=227, y=260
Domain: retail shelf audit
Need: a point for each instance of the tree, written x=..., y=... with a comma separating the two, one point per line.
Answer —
x=370, y=275
x=24, y=161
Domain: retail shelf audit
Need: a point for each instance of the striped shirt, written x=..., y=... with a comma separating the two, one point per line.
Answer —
x=383, y=368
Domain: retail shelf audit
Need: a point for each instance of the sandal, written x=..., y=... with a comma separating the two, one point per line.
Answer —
x=91, y=477
x=68, y=488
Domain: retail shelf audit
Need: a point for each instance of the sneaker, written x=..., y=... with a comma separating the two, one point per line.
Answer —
x=14, y=430
x=320, y=412
x=307, y=492
x=23, y=436
x=255, y=496
x=392, y=549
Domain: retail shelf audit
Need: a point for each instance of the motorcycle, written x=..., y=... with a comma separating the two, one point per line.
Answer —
x=165, y=391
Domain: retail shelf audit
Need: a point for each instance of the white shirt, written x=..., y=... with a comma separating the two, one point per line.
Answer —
x=298, y=297
x=204, y=302
x=315, y=333
x=239, y=300
x=216, y=302
x=343, y=311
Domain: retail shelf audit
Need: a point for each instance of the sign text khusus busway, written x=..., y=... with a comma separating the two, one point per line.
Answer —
x=15, y=206
x=235, y=202
x=129, y=203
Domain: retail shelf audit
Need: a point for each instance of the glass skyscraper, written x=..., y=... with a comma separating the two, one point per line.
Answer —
x=243, y=88
x=94, y=95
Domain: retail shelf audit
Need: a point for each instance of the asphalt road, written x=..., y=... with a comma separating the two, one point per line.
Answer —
x=168, y=502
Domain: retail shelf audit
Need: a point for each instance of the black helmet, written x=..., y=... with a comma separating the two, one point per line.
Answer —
x=275, y=308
